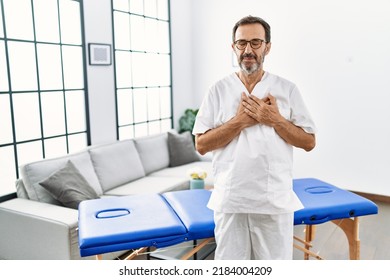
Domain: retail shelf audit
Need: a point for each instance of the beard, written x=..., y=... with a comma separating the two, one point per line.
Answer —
x=252, y=67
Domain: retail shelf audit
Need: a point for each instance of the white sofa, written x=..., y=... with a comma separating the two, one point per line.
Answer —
x=36, y=226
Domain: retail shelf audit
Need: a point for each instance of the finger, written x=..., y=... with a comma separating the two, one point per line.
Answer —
x=251, y=115
x=247, y=105
x=272, y=99
x=269, y=100
x=249, y=112
x=266, y=100
x=255, y=99
x=244, y=96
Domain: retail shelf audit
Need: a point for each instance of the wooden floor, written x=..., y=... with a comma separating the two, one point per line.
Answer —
x=331, y=243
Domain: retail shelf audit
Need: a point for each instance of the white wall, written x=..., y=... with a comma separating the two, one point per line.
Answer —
x=337, y=52
x=101, y=86
x=182, y=58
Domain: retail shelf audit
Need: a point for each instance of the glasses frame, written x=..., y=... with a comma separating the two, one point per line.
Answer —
x=250, y=42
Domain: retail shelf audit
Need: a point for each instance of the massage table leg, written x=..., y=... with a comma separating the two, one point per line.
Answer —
x=135, y=253
x=351, y=230
x=309, y=237
x=197, y=248
x=349, y=226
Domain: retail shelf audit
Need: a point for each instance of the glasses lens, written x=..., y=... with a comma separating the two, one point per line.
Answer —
x=241, y=44
x=256, y=43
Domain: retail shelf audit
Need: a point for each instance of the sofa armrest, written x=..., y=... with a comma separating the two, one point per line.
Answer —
x=36, y=230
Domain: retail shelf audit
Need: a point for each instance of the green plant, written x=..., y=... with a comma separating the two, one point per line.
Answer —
x=186, y=122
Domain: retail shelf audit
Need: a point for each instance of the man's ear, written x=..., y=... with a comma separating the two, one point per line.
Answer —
x=267, y=48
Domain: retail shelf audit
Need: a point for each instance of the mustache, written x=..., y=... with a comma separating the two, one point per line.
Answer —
x=248, y=55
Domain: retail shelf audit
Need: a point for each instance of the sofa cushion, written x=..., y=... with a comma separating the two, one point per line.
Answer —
x=33, y=173
x=149, y=184
x=68, y=186
x=153, y=151
x=116, y=164
x=181, y=149
x=182, y=171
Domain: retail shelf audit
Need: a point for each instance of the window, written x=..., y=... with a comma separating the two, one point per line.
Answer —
x=42, y=90
x=142, y=67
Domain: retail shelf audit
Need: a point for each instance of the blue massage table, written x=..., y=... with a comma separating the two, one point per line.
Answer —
x=159, y=220
x=324, y=202
x=143, y=221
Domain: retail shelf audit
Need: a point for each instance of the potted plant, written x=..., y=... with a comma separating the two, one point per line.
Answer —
x=197, y=175
x=186, y=122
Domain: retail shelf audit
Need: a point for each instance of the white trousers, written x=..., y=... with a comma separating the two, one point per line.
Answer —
x=254, y=236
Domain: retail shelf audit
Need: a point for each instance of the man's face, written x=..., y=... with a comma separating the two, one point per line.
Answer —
x=250, y=59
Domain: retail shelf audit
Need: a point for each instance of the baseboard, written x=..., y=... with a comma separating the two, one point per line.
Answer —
x=374, y=197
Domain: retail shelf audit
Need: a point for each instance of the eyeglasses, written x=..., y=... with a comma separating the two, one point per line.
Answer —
x=255, y=43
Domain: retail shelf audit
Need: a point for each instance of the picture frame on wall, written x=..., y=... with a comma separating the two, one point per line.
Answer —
x=99, y=54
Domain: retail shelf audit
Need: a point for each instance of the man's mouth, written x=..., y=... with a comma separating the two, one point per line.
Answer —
x=248, y=57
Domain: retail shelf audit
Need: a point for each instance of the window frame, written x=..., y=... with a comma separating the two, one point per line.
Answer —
x=133, y=88
x=64, y=91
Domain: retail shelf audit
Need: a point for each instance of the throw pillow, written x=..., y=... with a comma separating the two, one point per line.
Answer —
x=68, y=186
x=181, y=149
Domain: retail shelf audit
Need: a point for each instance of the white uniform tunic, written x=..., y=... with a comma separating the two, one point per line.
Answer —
x=253, y=173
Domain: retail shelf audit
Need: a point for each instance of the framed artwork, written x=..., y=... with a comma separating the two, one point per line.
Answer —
x=99, y=54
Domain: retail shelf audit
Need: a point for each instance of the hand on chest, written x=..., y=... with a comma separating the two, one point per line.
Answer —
x=229, y=102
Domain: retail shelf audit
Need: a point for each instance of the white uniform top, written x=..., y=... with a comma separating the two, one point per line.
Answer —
x=253, y=173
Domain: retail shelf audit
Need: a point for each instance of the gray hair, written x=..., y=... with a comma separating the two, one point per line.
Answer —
x=252, y=20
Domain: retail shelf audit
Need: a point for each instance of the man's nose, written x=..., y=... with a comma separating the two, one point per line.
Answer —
x=248, y=48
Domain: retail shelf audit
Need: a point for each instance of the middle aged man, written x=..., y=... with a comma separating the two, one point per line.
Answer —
x=251, y=120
